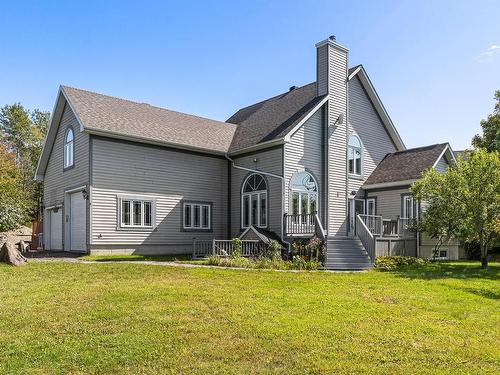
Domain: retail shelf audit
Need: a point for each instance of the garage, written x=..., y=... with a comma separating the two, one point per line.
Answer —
x=77, y=222
x=55, y=230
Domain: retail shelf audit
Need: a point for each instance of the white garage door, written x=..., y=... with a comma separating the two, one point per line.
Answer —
x=77, y=222
x=55, y=230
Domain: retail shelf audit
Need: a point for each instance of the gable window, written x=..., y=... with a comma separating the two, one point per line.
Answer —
x=254, y=201
x=354, y=155
x=136, y=213
x=197, y=216
x=304, y=191
x=69, y=149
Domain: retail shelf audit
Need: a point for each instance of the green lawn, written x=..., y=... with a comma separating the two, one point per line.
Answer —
x=133, y=318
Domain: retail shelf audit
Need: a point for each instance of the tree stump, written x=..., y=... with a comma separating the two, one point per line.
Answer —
x=10, y=255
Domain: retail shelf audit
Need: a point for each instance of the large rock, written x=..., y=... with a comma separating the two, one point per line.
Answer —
x=10, y=255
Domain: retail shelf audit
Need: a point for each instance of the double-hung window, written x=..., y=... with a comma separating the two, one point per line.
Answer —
x=197, y=216
x=136, y=213
x=409, y=209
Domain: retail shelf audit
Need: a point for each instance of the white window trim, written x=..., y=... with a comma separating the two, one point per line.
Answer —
x=440, y=257
x=132, y=199
x=413, y=214
x=69, y=149
x=259, y=194
x=201, y=205
x=368, y=200
x=354, y=174
x=300, y=192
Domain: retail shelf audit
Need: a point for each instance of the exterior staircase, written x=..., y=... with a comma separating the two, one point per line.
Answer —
x=346, y=253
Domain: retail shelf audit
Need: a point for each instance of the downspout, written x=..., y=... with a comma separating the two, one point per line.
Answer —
x=282, y=191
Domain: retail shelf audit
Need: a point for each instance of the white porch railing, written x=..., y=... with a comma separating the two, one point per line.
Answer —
x=365, y=235
x=373, y=223
x=379, y=226
x=204, y=248
x=300, y=224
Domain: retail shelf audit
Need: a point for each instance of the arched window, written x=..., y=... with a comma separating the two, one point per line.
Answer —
x=304, y=191
x=354, y=155
x=69, y=149
x=254, y=201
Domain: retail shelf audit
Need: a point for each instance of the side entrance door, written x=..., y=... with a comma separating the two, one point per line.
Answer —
x=55, y=230
x=77, y=222
x=356, y=206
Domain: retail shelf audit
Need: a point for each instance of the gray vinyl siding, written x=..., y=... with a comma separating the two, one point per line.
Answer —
x=322, y=69
x=366, y=124
x=303, y=152
x=56, y=181
x=337, y=105
x=164, y=175
x=442, y=165
x=271, y=161
x=388, y=202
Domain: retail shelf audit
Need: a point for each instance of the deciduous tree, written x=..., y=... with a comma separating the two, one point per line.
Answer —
x=22, y=133
x=464, y=201
x=490, y=140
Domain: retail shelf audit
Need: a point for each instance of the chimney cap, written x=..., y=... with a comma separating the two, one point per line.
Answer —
x=292, y=88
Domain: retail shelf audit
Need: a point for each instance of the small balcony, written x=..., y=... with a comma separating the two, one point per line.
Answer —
x=380, y=227
x=300, y=225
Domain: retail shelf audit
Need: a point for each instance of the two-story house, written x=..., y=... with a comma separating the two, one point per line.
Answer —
x=324, y=158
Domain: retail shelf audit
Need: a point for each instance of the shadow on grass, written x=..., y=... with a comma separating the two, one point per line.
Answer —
x=481, y=292
x=129, y=258
x=450, y=270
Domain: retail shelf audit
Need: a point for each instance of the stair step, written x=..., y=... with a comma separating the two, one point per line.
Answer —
x=346, y=253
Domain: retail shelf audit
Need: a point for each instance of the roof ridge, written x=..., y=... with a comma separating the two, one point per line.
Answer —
x=147, y=104
x=419, y=148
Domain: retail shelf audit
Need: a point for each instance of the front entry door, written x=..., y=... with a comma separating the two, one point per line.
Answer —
x=356, y=206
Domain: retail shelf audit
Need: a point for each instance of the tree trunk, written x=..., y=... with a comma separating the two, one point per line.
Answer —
x=10, y=255
x=484, y=253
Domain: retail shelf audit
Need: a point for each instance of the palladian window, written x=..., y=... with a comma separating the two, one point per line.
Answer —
x=254, y=201
x=304, y=192
x=354, y=155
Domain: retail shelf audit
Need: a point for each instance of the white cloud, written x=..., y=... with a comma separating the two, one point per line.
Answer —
x=487, y=55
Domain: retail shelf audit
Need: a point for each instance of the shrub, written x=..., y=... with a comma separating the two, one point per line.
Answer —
x=237, y=244
x=395, y=262
x=316, y=249
x=297, y=263
x=273, y=250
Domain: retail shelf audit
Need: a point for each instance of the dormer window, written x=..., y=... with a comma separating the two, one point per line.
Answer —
x=355, y=155
x=69, y=149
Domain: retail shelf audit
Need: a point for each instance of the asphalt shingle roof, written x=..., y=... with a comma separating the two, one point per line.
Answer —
x=139, y=120
x=405, y=165
x=274, y=117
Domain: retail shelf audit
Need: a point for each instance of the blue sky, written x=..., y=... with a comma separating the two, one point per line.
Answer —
x=435, y=64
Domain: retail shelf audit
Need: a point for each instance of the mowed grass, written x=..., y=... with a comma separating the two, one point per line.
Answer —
x=133, y=318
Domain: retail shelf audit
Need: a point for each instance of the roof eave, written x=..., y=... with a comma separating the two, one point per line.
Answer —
x=306, y=117
x=388, y=184
x=379, y=106
x=54, y=121
x=447, y=150
x=258, y=146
